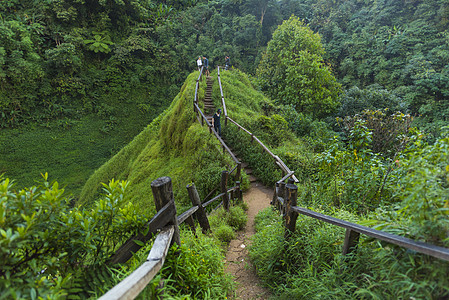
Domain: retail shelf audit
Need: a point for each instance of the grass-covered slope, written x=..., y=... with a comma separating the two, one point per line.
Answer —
x=176, y=145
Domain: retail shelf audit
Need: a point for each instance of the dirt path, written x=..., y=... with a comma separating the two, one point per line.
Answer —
x=238, y=264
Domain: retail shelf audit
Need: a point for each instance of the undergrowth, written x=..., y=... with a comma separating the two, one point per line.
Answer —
x=311, y=266
x=195, y=269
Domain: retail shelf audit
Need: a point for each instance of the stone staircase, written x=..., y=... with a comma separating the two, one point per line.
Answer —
x=209, y=111
x=248, y=172
x=209, y=107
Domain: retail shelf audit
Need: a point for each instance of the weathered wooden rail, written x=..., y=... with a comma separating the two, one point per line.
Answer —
x=165, y=223
x=203, y=120
x=277, y=160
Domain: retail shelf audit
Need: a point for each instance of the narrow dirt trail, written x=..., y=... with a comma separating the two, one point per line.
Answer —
x=238, y=264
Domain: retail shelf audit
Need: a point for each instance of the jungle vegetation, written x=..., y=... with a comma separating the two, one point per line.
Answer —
x=89, y=75
x=360, y=119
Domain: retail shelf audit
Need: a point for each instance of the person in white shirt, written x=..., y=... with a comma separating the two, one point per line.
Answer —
x=199, y=62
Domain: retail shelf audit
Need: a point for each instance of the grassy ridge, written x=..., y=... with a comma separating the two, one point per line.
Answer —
x=175, y=145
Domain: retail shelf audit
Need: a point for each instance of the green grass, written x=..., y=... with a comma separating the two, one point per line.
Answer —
x=70, y=150
x=174, y=145
x=311, y=266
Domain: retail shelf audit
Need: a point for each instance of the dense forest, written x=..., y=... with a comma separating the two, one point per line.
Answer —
x=358, y=101
x=93, y=73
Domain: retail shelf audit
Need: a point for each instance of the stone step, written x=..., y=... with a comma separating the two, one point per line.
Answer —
x=248, y=171
x=252, y=178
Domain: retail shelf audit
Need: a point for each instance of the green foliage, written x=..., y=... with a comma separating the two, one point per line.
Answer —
x=196, y=268
x=224, y=224
x=357, y=175
x=292, y=72
x=423, y=190
x=388, y=132
x=401, y=46
x=100, y=42
x=49, y=249
x=310, y=265
x=355, y=101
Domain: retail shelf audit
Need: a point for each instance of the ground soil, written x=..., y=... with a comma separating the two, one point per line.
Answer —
x=238, y=264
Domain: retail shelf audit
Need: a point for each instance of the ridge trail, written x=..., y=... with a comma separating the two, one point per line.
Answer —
x=249, y=286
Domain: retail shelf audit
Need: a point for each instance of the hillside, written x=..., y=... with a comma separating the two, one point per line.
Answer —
x=176, y=145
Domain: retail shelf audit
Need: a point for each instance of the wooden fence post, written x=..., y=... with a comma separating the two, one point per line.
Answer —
x=224, y=185
x=239, y=171
x=282, y=194
x=290, y=216
x=200, y=213
x=274, y=201
x=351, y=241
x=163, y=194
x=239, y=192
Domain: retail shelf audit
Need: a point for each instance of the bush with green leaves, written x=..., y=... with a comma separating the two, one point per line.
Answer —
x=224, y=223
x=363, y=173
x=49, y=249
x=292, y=70
x=423, y=191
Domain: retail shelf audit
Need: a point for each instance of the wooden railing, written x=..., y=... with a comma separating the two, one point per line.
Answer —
x=285, y=170
x=203, y=120
x=285, y=198
x=165, y=221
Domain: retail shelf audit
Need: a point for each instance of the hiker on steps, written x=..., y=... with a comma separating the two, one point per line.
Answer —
x=199, y=62
x=216, y=122
x=206, y=65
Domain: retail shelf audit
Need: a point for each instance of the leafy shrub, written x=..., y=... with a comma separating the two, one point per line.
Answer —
x=224, y=233
x=49, y=249
x=357, y=176
x=423, y=190
x=389, y=132
x=224, y=224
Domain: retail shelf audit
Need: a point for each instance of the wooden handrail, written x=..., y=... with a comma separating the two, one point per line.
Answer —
x=159, y=220
x=219, y=196
x=202, y=115
x=225, y=112
x=213, y=199
x=182, y=217
x=131, y=286
x=195, y=100
x=285, y=177
x=421, y=247
x=278, y=161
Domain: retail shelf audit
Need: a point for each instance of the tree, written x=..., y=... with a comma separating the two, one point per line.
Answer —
x=292, y=70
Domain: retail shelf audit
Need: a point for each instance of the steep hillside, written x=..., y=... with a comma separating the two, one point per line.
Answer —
x=176, y=145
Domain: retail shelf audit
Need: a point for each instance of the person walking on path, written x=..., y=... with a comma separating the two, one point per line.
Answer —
x=216, y=122
x=199, y=63
x=227, y=62
x=206, y=65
